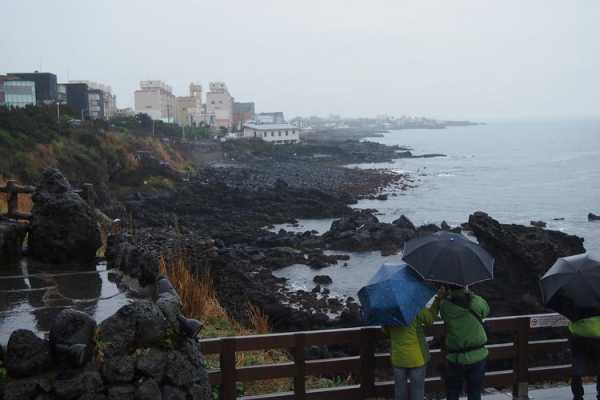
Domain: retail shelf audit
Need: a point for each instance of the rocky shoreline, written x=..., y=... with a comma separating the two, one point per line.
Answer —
x=218, y=218
x=234, y=202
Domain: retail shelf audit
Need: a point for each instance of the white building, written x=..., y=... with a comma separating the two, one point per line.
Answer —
x=219, y=106
x=156, y=99
x=283, y=133
x=189, y=108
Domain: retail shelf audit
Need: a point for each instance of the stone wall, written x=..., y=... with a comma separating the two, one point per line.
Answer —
x=146, y=350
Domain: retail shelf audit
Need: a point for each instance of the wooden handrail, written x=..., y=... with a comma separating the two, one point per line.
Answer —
x=521, y=348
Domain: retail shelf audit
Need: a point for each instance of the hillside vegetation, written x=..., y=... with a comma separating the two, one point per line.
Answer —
x=32, y=139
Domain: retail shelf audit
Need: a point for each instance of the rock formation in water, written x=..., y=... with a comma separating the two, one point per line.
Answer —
x=523, y=254
x=63, y=227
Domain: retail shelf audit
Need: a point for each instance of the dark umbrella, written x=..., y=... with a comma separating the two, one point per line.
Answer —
x=449, y=258
x=571, y=286
x=394, y=296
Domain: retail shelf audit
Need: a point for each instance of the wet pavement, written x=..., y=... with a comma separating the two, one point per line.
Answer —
x=553, y=393
x=31, y=294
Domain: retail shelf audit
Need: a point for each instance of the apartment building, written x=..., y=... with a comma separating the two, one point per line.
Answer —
x=156, y=99
x=189, y=108
x=219, y=106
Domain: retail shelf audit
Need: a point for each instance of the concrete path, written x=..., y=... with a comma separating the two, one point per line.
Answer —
x=554, y=393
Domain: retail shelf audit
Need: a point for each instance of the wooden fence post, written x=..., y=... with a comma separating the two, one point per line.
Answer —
x=299, y=362
x=228, y=382
x=521, y=385
x=12, y=198
x=367, y=361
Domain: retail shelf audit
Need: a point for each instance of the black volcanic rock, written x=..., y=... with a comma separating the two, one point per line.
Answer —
x=404, y=223
x=362, y=231
x=538, y=224
x=26, y=354
x=63, y=226
x=322, y=280
x=523, y=254
x=72, y=328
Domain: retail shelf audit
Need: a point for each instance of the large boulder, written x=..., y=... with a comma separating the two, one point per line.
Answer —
x=63, y=226
x=26, y=354
x=404, y=223
x=362, y=231
x=12, y=236
x=137, y=325
x=72, y=337
x=522, y=255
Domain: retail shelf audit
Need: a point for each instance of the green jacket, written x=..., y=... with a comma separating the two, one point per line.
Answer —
x=465, y=335
x=588, y=327
x=407, y=343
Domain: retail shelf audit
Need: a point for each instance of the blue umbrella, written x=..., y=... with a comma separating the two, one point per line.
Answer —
x=394, y=296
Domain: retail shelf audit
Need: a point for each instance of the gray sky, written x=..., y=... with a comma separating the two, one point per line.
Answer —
x=458, y=59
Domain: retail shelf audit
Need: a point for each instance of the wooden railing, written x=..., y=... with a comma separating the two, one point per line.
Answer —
x=520, y=354
x=13, y=190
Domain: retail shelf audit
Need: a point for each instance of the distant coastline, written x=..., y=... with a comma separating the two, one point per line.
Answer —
x=357, y=133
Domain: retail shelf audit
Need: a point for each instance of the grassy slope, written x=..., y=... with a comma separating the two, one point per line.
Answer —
x=31, y=140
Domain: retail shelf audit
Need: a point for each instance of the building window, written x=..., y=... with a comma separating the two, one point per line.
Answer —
x=254, y=133
x=265, y=134
x=279, y=133
x=272, y=133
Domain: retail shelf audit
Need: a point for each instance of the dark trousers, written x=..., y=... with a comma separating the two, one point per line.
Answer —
x=586, y=362
x=457, y=375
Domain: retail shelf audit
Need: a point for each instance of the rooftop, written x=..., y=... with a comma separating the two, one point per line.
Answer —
x=258, y=127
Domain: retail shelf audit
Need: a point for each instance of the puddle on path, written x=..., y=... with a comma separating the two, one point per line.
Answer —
x=31, y=295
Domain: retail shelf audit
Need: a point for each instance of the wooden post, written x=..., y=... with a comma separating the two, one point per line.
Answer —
x=90, y=195
x=521, y=386
x=228, y=383
x=367, y=361
x=12, y=198
x=299, y=362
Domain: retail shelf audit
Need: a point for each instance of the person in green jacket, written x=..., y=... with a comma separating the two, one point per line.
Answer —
x=585, y=349
x=463, y=312
x=410, y=353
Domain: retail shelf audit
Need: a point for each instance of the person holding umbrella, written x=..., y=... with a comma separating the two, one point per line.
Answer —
x=396, y=298
x=571, y=287
x=410, y=353
x=456, y=263
x=463, y=313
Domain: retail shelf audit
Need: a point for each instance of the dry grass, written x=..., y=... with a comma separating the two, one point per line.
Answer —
x=258, y=320
x=197, y=292
x=200, y=301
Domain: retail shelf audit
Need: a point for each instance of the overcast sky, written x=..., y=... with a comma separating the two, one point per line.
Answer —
x=458, y=59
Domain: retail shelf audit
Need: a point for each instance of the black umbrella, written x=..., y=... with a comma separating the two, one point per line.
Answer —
x=449, y=258
x=571, y=286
